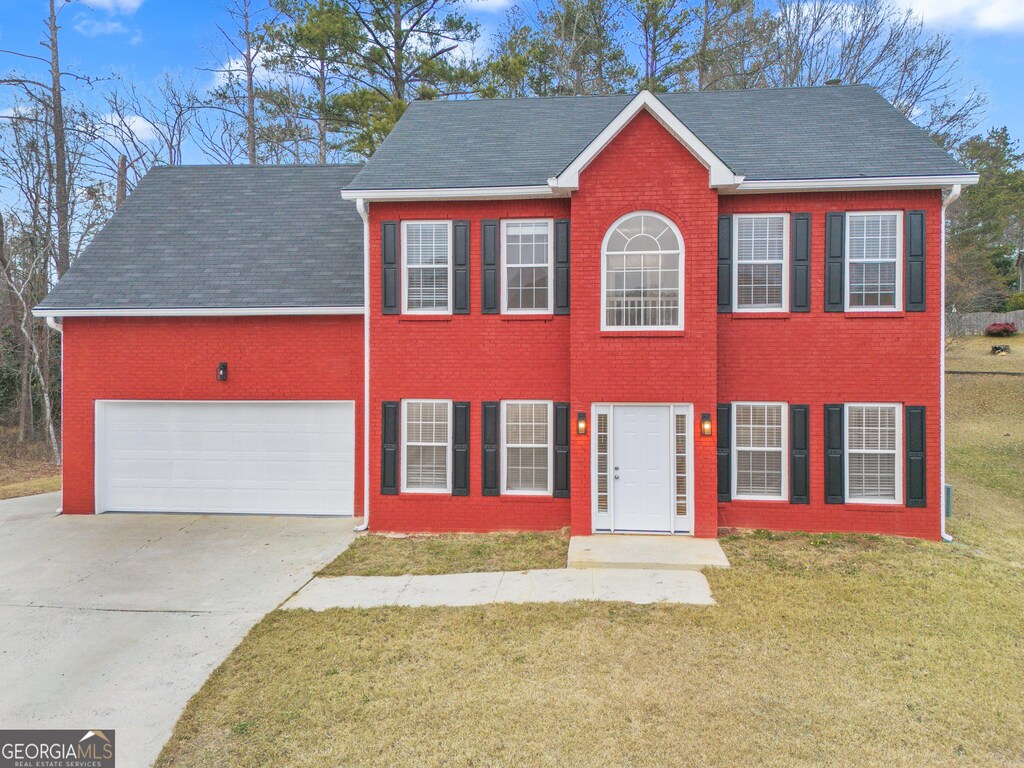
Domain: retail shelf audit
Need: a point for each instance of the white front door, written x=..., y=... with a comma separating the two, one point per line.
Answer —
x=642, y=467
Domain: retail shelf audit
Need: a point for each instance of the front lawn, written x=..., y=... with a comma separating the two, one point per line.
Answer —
x=822, y=651
x=25, y=468
x=376, y=555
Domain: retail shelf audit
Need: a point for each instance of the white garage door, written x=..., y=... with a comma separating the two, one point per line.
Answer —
x=293, y=458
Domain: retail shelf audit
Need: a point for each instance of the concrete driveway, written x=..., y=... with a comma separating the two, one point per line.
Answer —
x=115, y=621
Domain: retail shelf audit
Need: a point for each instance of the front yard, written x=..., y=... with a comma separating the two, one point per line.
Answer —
x=823, y=650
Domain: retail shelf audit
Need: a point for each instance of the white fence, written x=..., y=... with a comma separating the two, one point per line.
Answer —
x=974, y=323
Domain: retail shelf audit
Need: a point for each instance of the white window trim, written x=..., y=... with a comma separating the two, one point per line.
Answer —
x=405, y=269
x=405, y=448
x=551, y=267
x=736, y=262
x=784, y=450
x=898, y=462
x=504, y=448
x=604, y=279
x=899, y=261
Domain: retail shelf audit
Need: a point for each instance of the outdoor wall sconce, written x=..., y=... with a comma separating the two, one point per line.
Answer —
x=581, y=423
x=705, y=424
x=222, y=372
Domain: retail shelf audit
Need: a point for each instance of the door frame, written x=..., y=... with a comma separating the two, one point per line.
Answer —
x=605, y=523
x=99, y=445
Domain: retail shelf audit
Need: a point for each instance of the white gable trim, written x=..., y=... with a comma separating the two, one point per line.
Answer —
x=720, y=174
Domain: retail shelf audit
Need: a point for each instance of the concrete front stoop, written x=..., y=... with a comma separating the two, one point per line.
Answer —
x=641, y=552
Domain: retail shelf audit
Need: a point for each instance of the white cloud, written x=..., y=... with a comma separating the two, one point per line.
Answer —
x=142, y=129
x=114, y=6
x=983, y=15
x=94, y=28
x=487, y=6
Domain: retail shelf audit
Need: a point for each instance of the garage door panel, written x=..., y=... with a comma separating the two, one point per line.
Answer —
x=246, y=457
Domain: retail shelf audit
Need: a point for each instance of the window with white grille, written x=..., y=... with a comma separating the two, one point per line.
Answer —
x=526, y=440
x=527, y=255
x=759, y=441
x=643, y=274
x=426, y=445
x=761, y=246
x=426, y=250
x=874, y=248
x=872, y=453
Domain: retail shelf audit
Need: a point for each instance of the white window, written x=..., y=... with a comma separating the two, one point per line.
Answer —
x=642, y=281
x=527, y=257
x=427, y=264
x=759, y=444
x=761, y=254
x=874, y=261
x=873, y=468
x=426, y=445
x=526, y=434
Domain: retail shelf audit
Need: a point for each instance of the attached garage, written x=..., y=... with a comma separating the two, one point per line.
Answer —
x=269, y=457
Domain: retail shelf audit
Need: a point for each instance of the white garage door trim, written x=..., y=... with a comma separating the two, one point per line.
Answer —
x=337, y=498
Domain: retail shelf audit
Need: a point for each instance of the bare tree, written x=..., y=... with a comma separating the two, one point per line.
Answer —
x=878, y=43
x=659, y=32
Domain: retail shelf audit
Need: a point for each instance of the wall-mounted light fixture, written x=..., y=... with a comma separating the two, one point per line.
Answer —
x=222, y=372
x=705, y=424
x=581, y=423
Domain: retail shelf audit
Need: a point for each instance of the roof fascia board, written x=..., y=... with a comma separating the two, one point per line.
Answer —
x=862, y=183
x=720, y=175
x=196, y=311
x=448, y=193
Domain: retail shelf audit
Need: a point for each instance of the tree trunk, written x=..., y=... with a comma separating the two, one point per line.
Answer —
x=250, y=83
x=26, y=418
x=60, y=152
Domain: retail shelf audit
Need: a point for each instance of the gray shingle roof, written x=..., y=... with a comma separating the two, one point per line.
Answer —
x=794, y=133
x=224, y=237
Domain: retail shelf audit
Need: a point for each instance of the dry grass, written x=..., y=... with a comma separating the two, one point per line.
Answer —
x=823, y=651
x=25, y=468
x=374, y=555
x=974, y=353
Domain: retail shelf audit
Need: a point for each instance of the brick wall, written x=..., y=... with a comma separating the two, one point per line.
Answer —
x=474, y=358
x=833, y=357
x=269, y=358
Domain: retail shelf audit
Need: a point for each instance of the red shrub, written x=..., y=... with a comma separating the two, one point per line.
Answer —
x=1001, y=329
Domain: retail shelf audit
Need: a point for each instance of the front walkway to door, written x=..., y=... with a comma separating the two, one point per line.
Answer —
x=643, y=465
x=660, y=553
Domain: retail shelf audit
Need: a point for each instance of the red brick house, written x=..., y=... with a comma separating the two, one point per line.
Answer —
x=660, y=314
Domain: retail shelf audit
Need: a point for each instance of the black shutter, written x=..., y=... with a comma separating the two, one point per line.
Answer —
x=724, y=452
x=460, y=449
x=460, y=267
x=799, y=468
x=389, y=449
x=800, y=264
x=835, y=459
x=724, y=265
x=491, y=432
x=916, y=479
x=561, y=303
x=835, y=247
x=391, y=289
x=561, y=486
x=490, y=258
x=914, y=260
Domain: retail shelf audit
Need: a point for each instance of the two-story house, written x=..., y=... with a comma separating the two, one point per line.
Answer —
x=664, y=313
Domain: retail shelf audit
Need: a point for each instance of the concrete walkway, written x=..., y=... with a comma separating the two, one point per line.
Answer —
x=548, y=586
x=115, y=621
x=663, y=553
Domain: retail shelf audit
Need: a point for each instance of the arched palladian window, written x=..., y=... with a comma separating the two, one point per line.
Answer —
x=642, y=280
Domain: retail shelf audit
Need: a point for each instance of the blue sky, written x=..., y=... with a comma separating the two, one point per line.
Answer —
x=144, y=38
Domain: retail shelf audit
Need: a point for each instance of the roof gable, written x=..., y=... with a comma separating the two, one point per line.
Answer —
x=719, y=173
